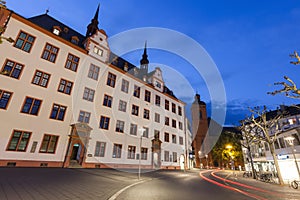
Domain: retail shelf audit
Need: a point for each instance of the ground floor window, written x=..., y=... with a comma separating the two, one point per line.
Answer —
x=117, y=151
x=19, y=141
x=49, y=144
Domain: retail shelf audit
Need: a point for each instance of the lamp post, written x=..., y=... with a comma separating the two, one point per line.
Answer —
x=199, y=155
x=290, y=141
x=139, y=172
x=206, y=161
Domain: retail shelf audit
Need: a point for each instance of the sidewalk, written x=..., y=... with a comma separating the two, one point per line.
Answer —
x=285, y=190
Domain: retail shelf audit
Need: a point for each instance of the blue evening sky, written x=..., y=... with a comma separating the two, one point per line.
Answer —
x=249, y=41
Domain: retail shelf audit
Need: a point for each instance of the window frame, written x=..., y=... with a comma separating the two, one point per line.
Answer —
x=71, y=62
x=122, y=106
x=20, y=139
x=88, y=93
x=59, y=112
x=117, y=151
x=135, y=110
x=49, y=143
x=25, y=41
x=107, y=101
x=14, y=72
x=131, y=151
x=48, y=54
x=147, y=97
x=104, y=122
x=120, y=126
x=157, y=100
x=94, y=72
x=137, y=91
x=111, y=79
x=125, y=86
x=65, y=88
x=5, y=100
x=40, y=79
x=85, y=116
x=32, y=105
x=100, y=149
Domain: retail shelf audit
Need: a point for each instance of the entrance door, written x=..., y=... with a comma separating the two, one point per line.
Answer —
x=75, y=151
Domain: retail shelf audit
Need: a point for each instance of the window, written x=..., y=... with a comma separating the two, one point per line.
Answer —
x=50, y=52
x=58, y=112
x=12, y=69
x=94, y=72
x=111, y=80
x=136, y=91
x=98, y=51
x=179, y=111
x=276, y=144
x=84, y=117
x=120, y=126
x=31, y=106
x=167, y=137
x=173, y=139
x=107, y=101
x=40, y=78
x=4, y=99
x=104, y=122
x=133, y=129
x=117, y=151
x=156, y=134
x=74, y=39
x=167, y=121
x=56, y=30
x=100, y=149
x=281, y=142
x=24, y=41
x=167, y=103
x=173, y=123
x=49, y=144
x=88, y=94
x=147, y=96
x=174, y=156
x=18, y=141
x=157, y=117
x=125, y=86
x=72, y=62
x=122, y=106
x=267, y=146
x=180, y=140
x=65, y=86
x=131, y=152
x=135, y=110
x=180, y=125
x=146, y=114
x=157, y=100
x=173, y=108
x=144, y=153
x=167, y=156
x=146, y=132
x=296, y=140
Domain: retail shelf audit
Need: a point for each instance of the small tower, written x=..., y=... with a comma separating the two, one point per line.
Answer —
x=92, y=28
x=199, y=127
x=144, y=62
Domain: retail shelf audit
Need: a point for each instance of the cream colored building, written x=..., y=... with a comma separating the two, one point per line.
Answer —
x=66, y=100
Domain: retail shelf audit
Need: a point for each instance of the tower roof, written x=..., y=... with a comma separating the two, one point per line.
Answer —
x=144, y=60
x=198, y=101
x=93, y=26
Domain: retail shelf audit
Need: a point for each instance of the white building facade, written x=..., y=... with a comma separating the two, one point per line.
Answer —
x=288, y=155
x=66, y=100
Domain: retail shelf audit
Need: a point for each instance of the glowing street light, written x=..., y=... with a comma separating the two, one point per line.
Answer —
x=199, y=154
x=206, y=156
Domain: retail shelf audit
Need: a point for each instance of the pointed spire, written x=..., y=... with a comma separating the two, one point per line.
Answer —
x=144, y=60
x=93, y=26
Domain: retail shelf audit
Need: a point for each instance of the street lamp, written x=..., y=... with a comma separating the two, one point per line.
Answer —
x=142, y=132
x=290, y=140
x=206, y=161
x=199, y=155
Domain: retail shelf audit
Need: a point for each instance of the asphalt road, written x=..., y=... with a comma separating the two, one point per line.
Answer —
x=86, y=184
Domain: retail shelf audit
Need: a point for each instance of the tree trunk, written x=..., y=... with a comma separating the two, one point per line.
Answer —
x=276, y=164
x=252, y=165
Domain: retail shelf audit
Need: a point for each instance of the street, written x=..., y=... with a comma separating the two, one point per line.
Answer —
x=58, y=183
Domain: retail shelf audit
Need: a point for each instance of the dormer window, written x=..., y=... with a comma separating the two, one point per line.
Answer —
x=74, y=39
x=98, y=51
x=56, y=30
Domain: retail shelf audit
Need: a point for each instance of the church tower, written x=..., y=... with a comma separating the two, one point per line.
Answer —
x=199, y=128
x=144, y=62
x=92, y=28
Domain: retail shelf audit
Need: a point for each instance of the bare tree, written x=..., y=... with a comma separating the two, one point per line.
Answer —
x=266, y=125
x=249, y=138
x=289, y=87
